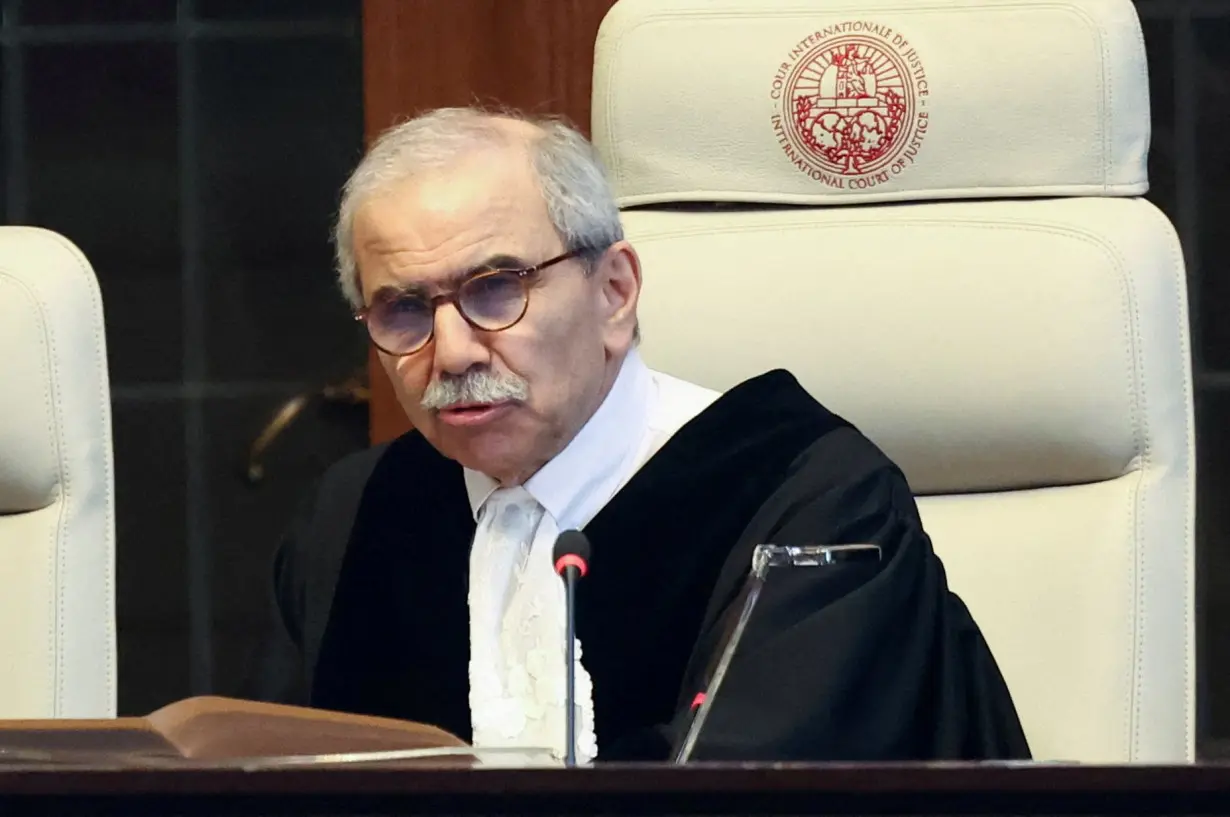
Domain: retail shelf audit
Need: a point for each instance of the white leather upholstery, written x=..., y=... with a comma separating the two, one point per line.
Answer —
x=57, y=526
x=1025, y=360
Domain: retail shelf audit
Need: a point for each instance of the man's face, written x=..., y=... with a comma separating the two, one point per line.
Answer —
x=433, y=231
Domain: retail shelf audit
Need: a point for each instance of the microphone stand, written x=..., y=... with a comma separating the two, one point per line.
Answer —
x=570, y=690
x=570, y=555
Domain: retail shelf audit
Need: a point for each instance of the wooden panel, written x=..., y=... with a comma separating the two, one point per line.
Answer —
x=535, y=55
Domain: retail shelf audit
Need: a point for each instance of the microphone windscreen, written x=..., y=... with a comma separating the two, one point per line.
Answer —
x=571, y=543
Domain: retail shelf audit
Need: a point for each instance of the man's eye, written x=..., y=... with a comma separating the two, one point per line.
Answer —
x=409, y=304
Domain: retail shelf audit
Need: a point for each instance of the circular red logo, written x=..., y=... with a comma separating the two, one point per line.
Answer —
x=850, y=105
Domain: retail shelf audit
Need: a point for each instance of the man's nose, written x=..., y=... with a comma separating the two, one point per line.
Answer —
x=457, y=344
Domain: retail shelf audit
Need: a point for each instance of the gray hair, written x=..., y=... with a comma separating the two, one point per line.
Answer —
x=569, y=172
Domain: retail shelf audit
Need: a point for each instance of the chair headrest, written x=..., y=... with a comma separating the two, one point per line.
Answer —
x=55, y=407
x=835, y=102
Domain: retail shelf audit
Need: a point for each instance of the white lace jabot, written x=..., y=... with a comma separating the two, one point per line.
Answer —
x=517, y=610
x=517, y=632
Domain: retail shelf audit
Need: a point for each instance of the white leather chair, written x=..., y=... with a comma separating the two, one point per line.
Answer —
x=57, y=498
x=930, y=214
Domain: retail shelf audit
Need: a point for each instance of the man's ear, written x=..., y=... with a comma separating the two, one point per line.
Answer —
x=619, y=290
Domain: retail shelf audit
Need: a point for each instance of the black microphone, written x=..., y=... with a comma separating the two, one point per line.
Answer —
x=571, y=558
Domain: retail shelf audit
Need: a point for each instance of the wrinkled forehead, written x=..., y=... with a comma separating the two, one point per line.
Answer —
x=437, y=224
x=480, y=187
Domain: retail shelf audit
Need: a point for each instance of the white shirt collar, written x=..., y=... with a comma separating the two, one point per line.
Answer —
x=610, y=437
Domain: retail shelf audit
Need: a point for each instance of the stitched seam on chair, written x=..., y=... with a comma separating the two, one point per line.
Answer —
x=918, y=195
x=1138, y=561
x=1106, y=99
x=66, y=512
x=1176, y=255
x=612, y=103
x=1143, y=71
x=90, y=281
x=47, y=344
x=1144, y=555
x=1106, y=102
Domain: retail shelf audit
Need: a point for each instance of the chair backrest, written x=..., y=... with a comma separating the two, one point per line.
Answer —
x=57, y=521
x=929, y=212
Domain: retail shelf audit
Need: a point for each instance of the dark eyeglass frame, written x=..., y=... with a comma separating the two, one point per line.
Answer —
x=522, y=276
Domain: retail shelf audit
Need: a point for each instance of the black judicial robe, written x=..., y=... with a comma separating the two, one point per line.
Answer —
x=857, y=662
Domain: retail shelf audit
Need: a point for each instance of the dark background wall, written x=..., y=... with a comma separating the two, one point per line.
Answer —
x=194, y=149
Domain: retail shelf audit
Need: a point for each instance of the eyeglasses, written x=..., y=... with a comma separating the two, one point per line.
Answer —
x=491, y=300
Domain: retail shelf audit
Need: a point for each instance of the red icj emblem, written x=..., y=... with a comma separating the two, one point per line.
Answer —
x=850, y=105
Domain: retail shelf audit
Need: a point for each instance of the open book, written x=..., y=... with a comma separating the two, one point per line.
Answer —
x=218, y=732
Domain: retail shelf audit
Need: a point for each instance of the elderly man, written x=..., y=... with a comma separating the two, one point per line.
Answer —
x=485, y=255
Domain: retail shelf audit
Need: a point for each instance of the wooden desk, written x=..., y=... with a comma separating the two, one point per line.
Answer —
x=744, y=790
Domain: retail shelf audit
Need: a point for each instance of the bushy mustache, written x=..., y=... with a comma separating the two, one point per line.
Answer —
x=477, y=386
